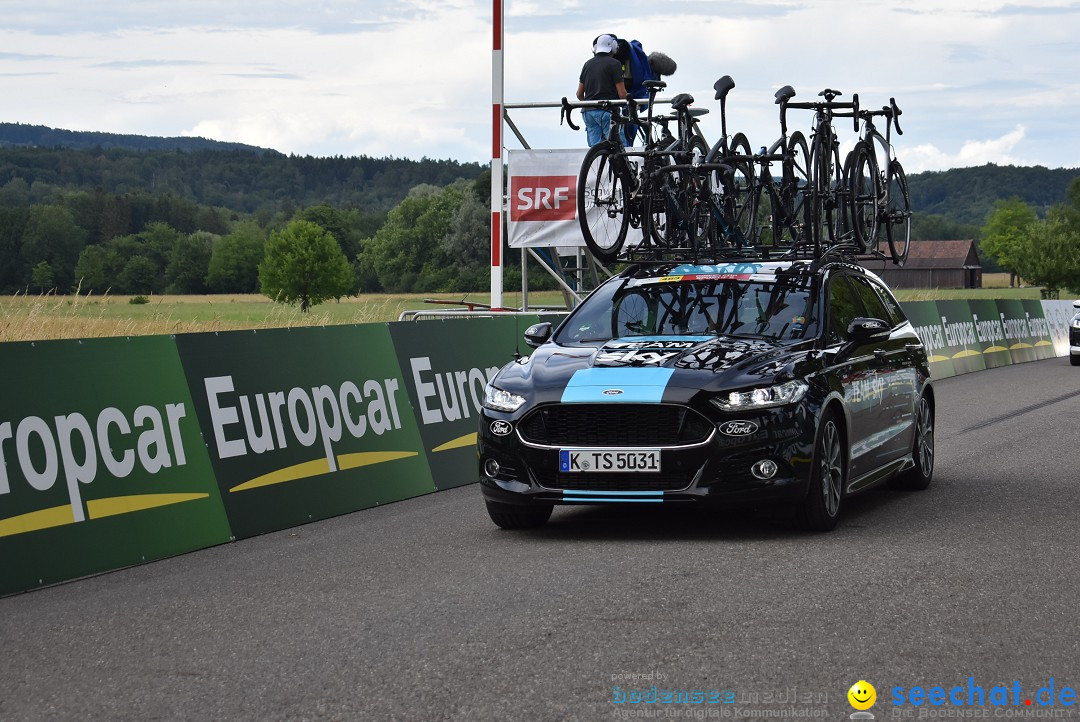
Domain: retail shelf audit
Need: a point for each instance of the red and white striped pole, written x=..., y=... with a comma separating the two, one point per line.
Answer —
x=496, y=155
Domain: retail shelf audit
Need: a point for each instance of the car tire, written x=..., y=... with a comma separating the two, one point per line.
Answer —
x=820, y=510
x=919, y=476
x=510, y=516
x=1074, y=360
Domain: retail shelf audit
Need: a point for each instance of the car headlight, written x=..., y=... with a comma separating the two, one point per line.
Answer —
x=780, y=395
x=499, y=400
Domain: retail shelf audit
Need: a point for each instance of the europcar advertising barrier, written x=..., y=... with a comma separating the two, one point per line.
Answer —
x=304, y=424
x=118, y=451
x=102, y=464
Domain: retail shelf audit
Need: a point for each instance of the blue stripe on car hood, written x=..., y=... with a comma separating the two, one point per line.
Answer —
x=638, y=385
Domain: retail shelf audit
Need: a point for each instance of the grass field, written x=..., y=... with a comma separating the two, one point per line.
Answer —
x=32, y=318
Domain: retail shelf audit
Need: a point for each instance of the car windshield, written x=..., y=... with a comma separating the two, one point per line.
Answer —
x=777, y=310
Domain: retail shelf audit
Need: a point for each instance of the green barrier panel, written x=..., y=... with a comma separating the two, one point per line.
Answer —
x=990, y=333
x=925, y=318
x=103, y=464
x=961, y=341
x=1042, y=338
x=304, y=424
x=446, y=365
x=1017, y=328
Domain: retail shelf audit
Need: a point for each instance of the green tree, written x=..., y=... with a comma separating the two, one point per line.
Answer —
x=235, y=259
x=51, y=236
x=188, y=263
x=304, y=265
x=1005, y=233
x=140, y=275
x=42, y=277
x=92, y=272
x=1049, y=254
x=405, y=253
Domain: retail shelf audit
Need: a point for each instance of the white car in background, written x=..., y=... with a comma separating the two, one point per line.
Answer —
x=1074, y=336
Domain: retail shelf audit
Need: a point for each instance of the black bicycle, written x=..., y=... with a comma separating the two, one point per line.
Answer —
x=616, y=188
x=878, y=189
x=828, y=205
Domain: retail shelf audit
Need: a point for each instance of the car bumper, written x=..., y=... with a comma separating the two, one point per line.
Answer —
x=717, y=471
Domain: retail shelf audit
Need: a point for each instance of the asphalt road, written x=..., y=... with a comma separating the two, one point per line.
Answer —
x=424, y=610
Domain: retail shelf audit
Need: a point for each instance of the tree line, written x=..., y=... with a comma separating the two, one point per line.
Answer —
x=169, y=220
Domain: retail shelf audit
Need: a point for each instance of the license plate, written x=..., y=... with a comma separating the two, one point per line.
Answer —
x=609, y=460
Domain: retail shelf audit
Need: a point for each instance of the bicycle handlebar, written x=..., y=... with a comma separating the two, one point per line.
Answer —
x=564, y=114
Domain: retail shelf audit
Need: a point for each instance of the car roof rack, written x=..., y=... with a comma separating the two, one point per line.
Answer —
x=818, y=257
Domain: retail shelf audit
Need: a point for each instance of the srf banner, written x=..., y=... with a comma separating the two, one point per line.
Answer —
x=542, y=198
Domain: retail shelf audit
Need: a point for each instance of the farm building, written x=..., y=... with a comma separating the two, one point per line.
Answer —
x=933, y=264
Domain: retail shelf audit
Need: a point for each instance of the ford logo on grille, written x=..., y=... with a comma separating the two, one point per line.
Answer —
x=612, y=392
x=738, y=428
x=501, y=428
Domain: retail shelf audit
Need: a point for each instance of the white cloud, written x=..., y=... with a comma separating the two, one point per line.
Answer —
x=998, y=151
x=343, y=77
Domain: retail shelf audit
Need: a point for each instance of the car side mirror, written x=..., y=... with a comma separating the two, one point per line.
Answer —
x=864, y=330
x=1076, y=304
x=537, y=334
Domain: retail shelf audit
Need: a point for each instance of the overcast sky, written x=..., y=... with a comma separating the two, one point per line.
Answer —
x=978, y=80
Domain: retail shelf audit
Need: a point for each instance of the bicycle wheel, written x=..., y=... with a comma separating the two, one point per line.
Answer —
x=823, y=212
x=603, y=195
x=863, y=195
x=898, y=214
x=659, y=206
x=737, y=196
x=791, y=216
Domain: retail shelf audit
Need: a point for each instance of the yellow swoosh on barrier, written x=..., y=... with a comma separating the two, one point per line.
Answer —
x=289, y=473
x=37, y=520
x=1044, y=343
x=995, y=349
x=965, y=353
x=366, y=458
x=934, y=359
x=98, y=508
x=1021, y=345
x=458, y=443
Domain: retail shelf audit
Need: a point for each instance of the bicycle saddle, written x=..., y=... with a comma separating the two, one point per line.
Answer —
x=784, y=94
x=723, y=86
x=829, y=94
x=680, y=101
x=658, y=84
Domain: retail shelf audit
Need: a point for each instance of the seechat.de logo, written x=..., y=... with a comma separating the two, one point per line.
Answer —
x=543, y=198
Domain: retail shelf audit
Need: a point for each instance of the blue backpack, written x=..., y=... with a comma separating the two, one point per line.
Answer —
x=636, y=68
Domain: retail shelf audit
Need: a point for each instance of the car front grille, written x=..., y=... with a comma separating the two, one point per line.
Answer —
x=615, y=425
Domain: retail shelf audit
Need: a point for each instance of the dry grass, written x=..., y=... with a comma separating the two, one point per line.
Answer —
x=32, y=318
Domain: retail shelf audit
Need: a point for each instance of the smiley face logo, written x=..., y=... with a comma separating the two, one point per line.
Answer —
x=862, y=695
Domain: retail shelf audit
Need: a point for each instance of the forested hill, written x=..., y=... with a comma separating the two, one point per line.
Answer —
x=225, y=175
x=40, y=136
x=967, y=195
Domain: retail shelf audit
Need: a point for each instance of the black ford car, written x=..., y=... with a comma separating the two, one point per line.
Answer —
x=748, y=383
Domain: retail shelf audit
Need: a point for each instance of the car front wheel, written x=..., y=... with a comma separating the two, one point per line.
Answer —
x=820, y=510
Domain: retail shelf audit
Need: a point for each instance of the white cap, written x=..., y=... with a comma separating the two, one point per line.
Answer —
x=605, y=44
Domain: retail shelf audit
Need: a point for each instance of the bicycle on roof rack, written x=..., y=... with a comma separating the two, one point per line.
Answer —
x=740, y=209
x=878, y=191
x=828, y=193
x=616, y=190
